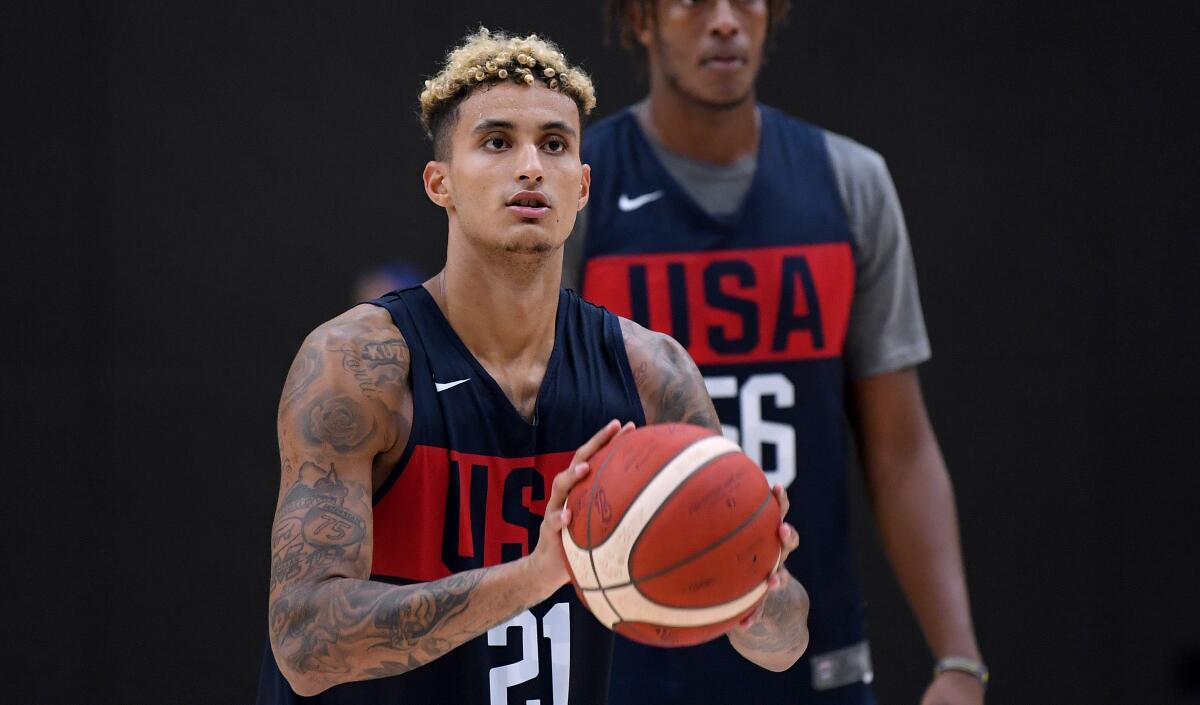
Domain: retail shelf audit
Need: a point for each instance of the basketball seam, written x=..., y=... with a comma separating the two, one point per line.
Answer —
x=591, y=548
x=633, y=500
x=694, y=555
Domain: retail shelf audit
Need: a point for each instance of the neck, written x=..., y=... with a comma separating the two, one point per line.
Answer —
x=502, y=306
x=719, y=135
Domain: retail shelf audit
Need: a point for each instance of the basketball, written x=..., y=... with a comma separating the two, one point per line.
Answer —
x=673, y=535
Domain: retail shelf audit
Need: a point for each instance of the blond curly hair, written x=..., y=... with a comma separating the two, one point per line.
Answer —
x=487, y=57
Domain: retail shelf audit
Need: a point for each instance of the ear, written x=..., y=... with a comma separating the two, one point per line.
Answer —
x=641, y=20
x=436, y=178
x=585, y=186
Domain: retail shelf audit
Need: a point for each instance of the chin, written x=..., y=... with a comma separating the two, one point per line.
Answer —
x=530, y=244
x=722, y=97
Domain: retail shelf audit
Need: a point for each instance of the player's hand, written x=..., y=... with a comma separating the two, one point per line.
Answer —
x=777, y=582
x=954, y=688
x=549, y=565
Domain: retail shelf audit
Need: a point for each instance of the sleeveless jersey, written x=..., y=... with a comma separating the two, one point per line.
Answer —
x=761, y=300
x=470, y=491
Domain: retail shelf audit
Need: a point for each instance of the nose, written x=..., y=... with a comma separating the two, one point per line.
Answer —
x=723, y=22
x=529, y=165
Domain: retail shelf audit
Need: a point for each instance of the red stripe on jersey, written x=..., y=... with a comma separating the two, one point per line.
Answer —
x=735, y=303
x=409, y=521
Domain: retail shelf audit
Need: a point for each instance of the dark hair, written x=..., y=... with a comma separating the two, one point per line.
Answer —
x=617, y=21
x=441, y=123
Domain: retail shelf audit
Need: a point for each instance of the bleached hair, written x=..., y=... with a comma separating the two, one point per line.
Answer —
x=494, y=57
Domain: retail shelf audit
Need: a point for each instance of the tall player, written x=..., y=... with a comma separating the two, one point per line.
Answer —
x=776, y=253
x=428, y=440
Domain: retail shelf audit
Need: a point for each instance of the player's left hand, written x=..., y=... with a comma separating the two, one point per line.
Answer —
x=789, y=539
x=953, y=688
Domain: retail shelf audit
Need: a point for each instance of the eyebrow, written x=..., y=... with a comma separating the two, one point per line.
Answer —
x=553, y=125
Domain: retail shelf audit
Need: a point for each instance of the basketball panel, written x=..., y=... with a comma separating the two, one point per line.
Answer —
x=725, y=570
x=703, y=511
x=623, y=469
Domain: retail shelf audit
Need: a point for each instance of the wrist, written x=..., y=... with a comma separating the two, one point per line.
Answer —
x=542, y=581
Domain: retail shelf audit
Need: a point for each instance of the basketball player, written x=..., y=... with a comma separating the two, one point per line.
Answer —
x=776, y=253
x=428, y=440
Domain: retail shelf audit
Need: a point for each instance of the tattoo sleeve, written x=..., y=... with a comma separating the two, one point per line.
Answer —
x=344, y=403
x=667, y=380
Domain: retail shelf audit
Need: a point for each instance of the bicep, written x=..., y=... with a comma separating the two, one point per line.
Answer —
x=892, y=423
x=330, y=431
x=668, y=381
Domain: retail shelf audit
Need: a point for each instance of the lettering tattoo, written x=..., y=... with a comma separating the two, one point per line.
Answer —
x=380, y=368
x=667, y=380
x=313, y=528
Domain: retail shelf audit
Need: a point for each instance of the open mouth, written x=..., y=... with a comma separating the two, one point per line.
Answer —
x=528, y=204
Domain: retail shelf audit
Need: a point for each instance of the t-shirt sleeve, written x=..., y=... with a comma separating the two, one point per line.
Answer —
x=572, y=276
x=887, y=328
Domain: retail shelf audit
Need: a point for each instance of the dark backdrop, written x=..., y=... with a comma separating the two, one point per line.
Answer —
x=188, y=188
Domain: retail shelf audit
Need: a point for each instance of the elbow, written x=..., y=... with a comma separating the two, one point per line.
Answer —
x=784, y=660
x=304, y=687
x=303, y=682
x=797, y=650
x=290, y=618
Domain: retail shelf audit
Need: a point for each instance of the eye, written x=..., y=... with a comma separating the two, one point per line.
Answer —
x=555, y=145
x=495, y=143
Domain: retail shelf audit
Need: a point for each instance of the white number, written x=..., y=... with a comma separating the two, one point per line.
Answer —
x=556, y=626
x=755, y=432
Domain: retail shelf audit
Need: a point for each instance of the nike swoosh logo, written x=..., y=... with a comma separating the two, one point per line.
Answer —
x=443, y=386
x=627, y=204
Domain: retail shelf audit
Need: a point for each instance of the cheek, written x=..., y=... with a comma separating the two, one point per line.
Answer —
x=466, y=184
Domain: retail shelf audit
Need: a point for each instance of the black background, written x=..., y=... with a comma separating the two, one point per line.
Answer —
x=188, y=188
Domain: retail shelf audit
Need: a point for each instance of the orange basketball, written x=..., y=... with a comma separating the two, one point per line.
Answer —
x=673, y=535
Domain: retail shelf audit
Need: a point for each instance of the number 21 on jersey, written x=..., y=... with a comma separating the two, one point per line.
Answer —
x=556, y=627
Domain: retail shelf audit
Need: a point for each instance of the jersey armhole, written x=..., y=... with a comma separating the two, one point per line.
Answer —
x=617, y=342
x=390, y=303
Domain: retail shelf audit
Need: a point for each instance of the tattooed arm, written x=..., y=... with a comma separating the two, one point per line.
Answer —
x=346, y=408
x=667, y=380
x=673, y=390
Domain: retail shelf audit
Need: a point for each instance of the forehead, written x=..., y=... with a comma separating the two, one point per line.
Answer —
x=523, y=106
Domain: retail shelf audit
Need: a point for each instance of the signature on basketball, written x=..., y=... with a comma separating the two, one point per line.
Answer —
x=603, y=505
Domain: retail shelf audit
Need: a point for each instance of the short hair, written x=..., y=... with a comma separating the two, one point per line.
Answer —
x=485, y=58
x=617, y=21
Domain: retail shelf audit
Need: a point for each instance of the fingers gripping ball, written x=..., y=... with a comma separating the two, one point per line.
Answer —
x=672, y=535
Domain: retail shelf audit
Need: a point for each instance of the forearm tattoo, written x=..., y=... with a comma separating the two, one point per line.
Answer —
x=325, y=618
x=668, y=381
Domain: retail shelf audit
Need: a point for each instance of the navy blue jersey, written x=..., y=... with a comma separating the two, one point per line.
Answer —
x=761, y=300
x=470, y=491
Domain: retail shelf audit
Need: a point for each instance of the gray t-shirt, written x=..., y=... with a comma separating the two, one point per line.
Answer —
x=887, y=327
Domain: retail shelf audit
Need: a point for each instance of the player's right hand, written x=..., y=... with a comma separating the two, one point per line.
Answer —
x=549, y=565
